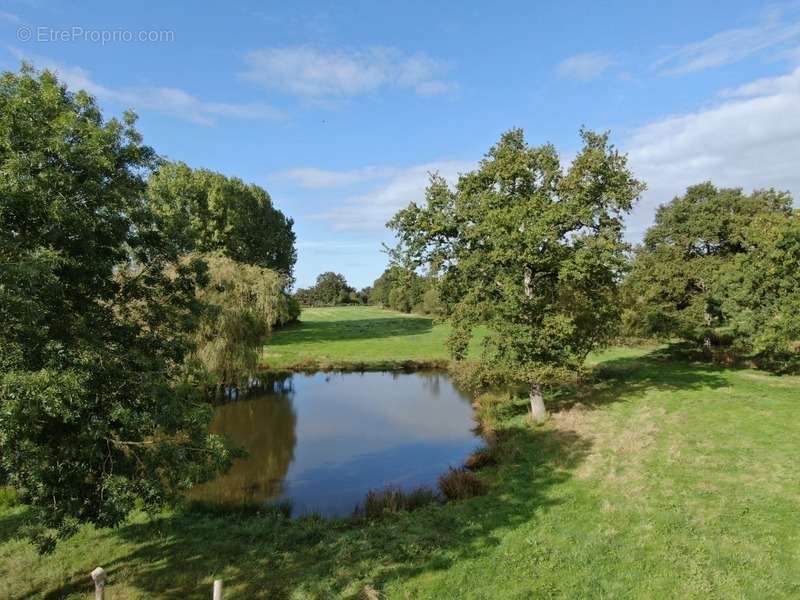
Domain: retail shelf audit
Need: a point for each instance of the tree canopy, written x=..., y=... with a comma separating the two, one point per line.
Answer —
x=203, y=211
x=403, y=289
x=329, y=289
x=532, y=250
x=95, y=410
x=717, y=268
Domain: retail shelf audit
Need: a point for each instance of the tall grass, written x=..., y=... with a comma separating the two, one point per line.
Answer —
x=460, y=484
x=391, y=500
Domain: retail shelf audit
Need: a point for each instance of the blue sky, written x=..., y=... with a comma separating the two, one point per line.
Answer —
x=341, y=109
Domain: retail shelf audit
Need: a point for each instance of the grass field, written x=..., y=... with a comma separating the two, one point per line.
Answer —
x=657, y=479
x=365, y=336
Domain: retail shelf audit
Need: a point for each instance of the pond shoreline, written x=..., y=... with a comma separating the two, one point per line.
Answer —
x=329, y=442
x=348, y=366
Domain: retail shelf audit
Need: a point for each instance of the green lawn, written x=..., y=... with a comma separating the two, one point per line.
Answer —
x=358, y=335
x=657, y=479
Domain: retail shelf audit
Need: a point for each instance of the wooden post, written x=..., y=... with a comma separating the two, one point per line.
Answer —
x=218, y=589
x=99, y=578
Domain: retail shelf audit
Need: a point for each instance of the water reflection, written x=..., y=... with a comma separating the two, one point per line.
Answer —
x=265, y=426
x=323, y=440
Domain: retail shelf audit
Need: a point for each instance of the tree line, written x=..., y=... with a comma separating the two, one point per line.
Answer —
x=398, y=288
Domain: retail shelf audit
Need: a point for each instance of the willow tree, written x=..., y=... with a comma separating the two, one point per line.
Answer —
x=532, y=250
x=242, y=305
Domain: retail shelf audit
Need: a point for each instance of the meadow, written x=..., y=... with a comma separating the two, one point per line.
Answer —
x=655, y=478
x=367, y=337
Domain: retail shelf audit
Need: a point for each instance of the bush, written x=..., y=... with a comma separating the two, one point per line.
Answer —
x=293, y=310
x=459, y=484
x=391, y=500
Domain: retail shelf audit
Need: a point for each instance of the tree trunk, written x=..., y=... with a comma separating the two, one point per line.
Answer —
x=538, y=411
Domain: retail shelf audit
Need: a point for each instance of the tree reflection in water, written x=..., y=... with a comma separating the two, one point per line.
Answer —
x=264, y=425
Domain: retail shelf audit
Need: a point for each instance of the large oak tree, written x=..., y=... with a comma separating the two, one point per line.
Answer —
x=534, y=250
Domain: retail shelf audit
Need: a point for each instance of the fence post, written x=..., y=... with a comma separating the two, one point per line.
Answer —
x=218, y=589
x=99, y=578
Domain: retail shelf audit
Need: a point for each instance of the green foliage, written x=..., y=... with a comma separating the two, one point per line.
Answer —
x=762, y=293
x=533, y=251
x=242, y=305
x=330, y=289
x=718, y=268
x=203, y=211
x=8, y=497
x=95, y=411
x=403, y=289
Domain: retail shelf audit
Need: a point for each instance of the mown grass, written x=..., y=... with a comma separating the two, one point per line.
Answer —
x=657, y=478
x=359, y=337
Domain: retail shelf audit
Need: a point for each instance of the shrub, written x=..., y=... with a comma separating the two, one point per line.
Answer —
x=391, y=500
x=459, y=484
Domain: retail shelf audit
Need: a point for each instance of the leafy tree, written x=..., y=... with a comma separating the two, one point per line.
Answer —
x=330, y=289
x=761, y=293
x=400, y=288
x=681, y=274
x=535, y=252
x=96, y=410
x=203, y=211
x=242, y=305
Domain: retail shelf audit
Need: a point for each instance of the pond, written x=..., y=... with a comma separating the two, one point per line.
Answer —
x=322, y=441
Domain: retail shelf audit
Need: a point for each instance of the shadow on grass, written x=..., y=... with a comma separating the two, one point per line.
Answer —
x=12, y=523
x=354, y=329
x=628, y=378
x=178, y=556
x=273, y=557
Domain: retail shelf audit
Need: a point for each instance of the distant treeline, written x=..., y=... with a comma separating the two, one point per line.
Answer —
x=397, y=288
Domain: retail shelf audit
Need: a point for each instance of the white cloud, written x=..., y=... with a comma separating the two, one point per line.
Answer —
x=371, y=210
x=169, y=100
x=730, y=46
x=583, y=67
x=768, y=85
x=314, y=73
x=750, y=140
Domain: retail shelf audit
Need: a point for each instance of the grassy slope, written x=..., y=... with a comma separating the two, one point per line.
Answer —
x=659, y=479
x=359, y=335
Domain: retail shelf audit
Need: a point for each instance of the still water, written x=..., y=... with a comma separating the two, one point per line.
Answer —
x=323, y=441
